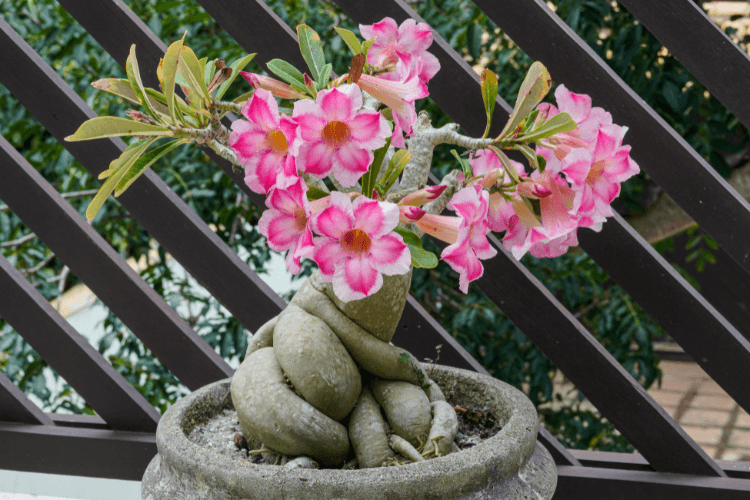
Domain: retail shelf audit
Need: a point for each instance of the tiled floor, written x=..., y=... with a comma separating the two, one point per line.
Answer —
x=701, y=407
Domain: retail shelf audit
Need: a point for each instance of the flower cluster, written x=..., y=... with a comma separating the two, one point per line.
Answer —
x=354, y=237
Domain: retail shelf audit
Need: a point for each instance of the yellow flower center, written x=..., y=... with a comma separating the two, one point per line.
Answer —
x=355, y=241
x=277, y=142
x=300, y=219
x=336, y=133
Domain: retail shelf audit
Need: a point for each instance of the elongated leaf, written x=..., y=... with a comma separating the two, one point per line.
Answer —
x=505, y=161
x=465, y=165
x=315, y=193
x=325, y=75
x=144, y=162
x=117, y=163
x=529, y=153
x=192, y=71
x=419, y=256
x=489, y=95
x=533, y=89
x=111, y=182
x=112, y=126
x=134, y=77
x=558, y=124
x=243, y=98
x=371, y=176
x=288, y=73
x=312, y=50
x=395, y=167
x=209, y=69
x=171, y=61
x=237, y=66
x=351, y=40
x=121, y=88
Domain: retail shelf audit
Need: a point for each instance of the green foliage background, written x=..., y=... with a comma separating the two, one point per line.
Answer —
x=606, y=310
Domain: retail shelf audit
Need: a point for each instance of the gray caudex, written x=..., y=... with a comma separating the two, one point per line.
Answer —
x=301, y=378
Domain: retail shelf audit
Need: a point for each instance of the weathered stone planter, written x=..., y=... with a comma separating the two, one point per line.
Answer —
x=509, y=465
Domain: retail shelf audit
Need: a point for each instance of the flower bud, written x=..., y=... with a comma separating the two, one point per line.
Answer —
x=275, y=87
x=423, y=196
x=533, y=190
x=408, y=214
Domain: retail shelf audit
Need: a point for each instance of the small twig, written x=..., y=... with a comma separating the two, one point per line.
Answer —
x=18, y=242
x=233, y=107
x=31, y=270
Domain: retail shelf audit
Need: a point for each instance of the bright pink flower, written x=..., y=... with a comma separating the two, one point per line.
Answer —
x=399, y=95
x=596, y=174
x=463, y=256
x=423, y=196
x=276, y=87
x=358, y=245
x=407, y=43
x=286, y=223
x=266, y=144
x=337, y=137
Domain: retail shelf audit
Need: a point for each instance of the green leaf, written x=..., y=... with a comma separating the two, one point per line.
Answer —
x=529, y=153
x=542, y=162
x=113, y=180
x=288, y=73
x=371, y=176
x=366, y=46
x=397, y=165
x=171, y=61
x=505, y=161
x=121, y=88
x=209, y=69
x=558, y=124
x=315, y=193
x=117, y=163
x=237, y=66
x=325, y=75
x=312, y=50
x=192, y=71
x=420, y=257
x=465, y=166
x=410, y=237
x=136, y=85
x=533, y=89
x=112, y=126
x=143, y=163
x=489, y=96
x=243, y=98
x=350, y=39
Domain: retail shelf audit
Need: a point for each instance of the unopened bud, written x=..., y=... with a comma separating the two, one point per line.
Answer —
x=423, y=196
x=275, y=87
x=533, y=190
x=408, y=214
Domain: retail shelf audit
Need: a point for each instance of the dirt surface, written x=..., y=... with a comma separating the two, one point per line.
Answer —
x=222, y=434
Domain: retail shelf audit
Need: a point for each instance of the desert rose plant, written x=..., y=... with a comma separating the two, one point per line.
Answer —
x=344, y=162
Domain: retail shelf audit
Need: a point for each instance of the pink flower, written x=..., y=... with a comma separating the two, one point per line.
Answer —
x=337, y=137
x=442, y=227
x=485, y=162
x=423, y=196
x=408, y=214
x=408, y=42
x=286, y=223
x=266, y=144
x=276, y=87
x=463, y=256
x=358, y=245
x=399, y=95
x=596, y=174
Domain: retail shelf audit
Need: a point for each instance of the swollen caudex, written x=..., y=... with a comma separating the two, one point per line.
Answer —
x=301, y=379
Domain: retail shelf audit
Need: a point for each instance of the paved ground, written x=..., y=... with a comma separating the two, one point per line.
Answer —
x=700, y=406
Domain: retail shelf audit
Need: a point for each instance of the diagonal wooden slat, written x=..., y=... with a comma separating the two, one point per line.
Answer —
x=34, y=318
x=658, y=149
x=97, y=264
x=16, y=407
x=718, y=63
x=207, y=258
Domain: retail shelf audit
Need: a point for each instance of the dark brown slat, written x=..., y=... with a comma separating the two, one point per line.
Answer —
x=76, y=451
x=207, y=258
x=590, y=483
x=60, y=345
x=600, y=377
x=717, y=62
x=16, y=407
x=73, y=420
x=97, y=264
x=678, y=308
x=657, y=148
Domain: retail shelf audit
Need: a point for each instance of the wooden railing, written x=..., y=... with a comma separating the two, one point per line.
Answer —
x=119, y=442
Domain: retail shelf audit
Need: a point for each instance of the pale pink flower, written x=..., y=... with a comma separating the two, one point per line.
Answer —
x=471, y=204
x=358, y=245
x=266, y=144
x=443, y=227
x=338, y=136
x=276, y=87
x=399, y=95
x=596, y=174
x=485, y=162
x=286, y=223
x=407, y=42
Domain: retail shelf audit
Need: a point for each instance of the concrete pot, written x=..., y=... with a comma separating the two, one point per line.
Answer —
x=510, y=465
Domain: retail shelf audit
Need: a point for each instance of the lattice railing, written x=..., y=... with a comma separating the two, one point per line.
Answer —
x=119, y=442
